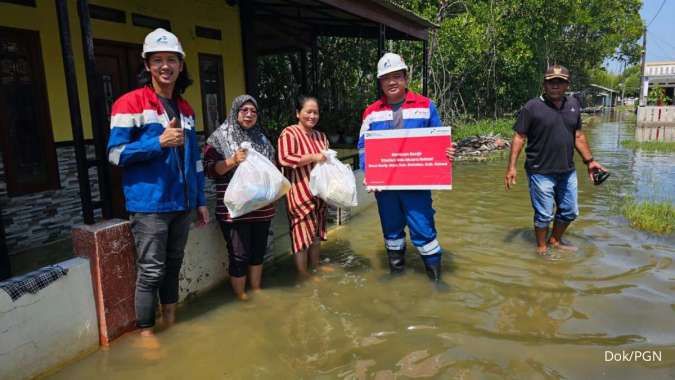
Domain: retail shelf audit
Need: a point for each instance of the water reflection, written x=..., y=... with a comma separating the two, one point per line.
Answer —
x=509, y=314
x=645, y=175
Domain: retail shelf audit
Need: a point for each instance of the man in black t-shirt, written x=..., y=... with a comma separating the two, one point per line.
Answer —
x=551, y=125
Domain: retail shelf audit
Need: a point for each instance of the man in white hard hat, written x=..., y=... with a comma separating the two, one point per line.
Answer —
x=400, y=107
x=153, y=138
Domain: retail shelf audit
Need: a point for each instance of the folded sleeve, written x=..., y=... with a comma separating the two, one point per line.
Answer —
x=288, y=150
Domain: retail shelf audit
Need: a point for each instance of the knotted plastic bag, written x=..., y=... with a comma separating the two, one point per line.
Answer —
x=333, y=182
x=256, y=183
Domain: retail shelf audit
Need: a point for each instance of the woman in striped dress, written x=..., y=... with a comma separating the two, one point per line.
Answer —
x=246, y=235
x=300, y=146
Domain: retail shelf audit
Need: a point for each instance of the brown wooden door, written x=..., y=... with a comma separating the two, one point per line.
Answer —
x=117, y=65
x=26, y=139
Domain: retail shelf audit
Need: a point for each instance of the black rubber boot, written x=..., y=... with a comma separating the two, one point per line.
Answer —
x=434, y=274
x=396, y=261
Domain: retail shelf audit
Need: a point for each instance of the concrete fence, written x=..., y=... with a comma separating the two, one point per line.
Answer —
x=651, y=115
x=43, y=330
x=655, y=123
x=664, y=133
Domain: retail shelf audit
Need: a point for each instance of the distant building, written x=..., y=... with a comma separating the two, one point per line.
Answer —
x=596, y=97
x=656, y=117
x=661, y=74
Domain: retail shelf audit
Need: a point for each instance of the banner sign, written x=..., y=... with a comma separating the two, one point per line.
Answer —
x=408, y=159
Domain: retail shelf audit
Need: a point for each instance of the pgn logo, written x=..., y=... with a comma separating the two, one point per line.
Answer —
x=633, y=356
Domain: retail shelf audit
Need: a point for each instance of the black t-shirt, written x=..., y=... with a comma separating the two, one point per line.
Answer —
x=171, y=108
x=550, y=134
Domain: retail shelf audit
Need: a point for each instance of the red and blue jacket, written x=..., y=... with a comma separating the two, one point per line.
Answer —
x=418, y=112
x=155, y=179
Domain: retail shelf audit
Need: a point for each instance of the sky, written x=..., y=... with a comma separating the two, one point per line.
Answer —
x=660, y=33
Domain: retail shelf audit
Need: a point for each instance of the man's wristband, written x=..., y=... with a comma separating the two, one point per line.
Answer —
x=588, y=161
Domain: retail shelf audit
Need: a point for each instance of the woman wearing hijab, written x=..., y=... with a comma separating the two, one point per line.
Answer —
x=246, y=235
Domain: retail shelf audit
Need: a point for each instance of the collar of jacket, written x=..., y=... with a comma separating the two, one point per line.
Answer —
x=410, y=97
x=153, y=100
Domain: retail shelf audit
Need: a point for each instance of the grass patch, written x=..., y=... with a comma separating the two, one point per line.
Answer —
x=495, y=155
x=656, y=217
x=625, y=108
x=653, y=146
x=502, y=127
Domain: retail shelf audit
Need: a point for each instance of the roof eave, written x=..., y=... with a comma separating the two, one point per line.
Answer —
x=406, y=13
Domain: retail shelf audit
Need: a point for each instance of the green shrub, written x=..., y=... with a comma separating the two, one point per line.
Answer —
x=502, y=127
x=656, y=217
x=654, y=146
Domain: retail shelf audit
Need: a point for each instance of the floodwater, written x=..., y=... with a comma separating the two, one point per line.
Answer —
x=508, y=313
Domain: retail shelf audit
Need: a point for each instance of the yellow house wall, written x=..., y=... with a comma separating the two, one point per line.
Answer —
x=184, y=15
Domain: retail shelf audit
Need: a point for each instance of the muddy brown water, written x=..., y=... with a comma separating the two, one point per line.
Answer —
x=508, y=314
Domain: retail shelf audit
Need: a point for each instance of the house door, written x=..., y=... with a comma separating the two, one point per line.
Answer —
x=28, y=151
x=117, y=65
x=26, y=141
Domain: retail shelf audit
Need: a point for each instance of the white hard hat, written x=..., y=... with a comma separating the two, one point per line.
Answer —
x=389, y=63
x=161, y=40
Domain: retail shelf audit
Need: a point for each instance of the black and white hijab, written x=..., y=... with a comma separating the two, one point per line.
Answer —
x=229, y=136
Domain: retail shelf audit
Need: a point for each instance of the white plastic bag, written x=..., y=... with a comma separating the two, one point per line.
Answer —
x=255, y=184
x=333, y=182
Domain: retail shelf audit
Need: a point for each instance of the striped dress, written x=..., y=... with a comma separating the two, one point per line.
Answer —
x=211, y=158
x=306, y=213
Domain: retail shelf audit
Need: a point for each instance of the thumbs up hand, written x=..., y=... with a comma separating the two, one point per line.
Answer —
x=172, y=136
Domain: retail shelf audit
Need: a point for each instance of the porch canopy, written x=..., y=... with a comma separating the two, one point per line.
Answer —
x=281, y=26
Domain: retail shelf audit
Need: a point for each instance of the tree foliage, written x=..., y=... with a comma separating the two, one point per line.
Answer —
x=346, y=83
x=486, y=57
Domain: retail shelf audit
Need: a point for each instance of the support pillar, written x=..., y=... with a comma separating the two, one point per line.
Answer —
x=97, y=110
x=425, y=68
x=74, y=110
x=247, y=15
x=5, y=265
x=304, y=85
x=381, y=39
x=644, y=82
x=109, y=246
x=315, y=66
